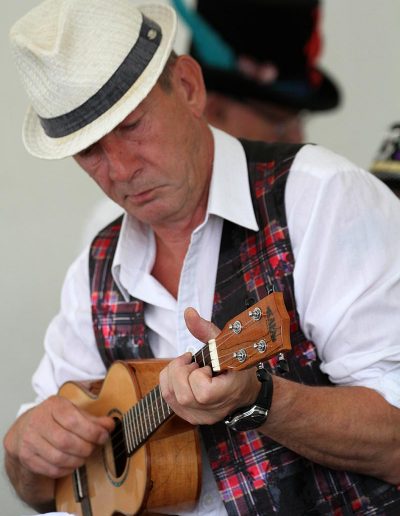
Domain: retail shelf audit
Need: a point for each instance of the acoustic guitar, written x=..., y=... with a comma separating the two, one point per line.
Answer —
x=152, y=460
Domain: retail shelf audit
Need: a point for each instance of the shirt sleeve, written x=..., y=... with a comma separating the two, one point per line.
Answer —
x=344, y=226
x=70, y=346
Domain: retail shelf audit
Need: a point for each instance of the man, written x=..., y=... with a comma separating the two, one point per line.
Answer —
x=211, y=223
x=261, y=70
x=272, y=86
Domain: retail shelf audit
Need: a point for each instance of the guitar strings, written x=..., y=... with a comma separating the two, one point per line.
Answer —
x=119, y=438
x=119, y=435
x=223, y=361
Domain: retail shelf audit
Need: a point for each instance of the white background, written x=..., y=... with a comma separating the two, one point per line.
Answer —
x=44, y=205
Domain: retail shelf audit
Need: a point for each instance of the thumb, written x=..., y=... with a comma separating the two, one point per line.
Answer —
x=106, y=422
x=200, y=328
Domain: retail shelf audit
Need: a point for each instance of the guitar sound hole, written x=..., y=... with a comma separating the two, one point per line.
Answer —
x=119, y=453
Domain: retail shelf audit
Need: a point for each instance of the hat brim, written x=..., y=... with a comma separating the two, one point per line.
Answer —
x=39, y=144
x=296, y=94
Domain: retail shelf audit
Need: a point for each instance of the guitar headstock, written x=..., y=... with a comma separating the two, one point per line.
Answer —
x=253, y=336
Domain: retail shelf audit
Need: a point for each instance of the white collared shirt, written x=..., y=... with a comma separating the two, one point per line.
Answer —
x=345, y=233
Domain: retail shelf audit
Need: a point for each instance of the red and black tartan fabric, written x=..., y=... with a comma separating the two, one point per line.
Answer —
x=254, y=474
x=118, y=325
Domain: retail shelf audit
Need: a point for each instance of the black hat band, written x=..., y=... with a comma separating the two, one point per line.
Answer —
x=114, y=89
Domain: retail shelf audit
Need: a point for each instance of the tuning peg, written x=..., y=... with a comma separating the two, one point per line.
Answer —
x=236, y=327
x=256, y=313
x=283, y=365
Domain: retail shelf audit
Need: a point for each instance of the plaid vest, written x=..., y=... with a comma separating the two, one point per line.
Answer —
x=254, y=474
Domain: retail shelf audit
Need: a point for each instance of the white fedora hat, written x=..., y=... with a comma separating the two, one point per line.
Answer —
x=86, y=64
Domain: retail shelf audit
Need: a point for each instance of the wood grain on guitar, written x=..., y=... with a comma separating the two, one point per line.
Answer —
x=152, y=459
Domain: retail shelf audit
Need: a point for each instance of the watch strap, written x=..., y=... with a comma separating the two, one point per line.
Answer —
x=253, y=416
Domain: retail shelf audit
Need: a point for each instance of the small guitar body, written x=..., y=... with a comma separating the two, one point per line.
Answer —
x=152, y=459
x=165, y=472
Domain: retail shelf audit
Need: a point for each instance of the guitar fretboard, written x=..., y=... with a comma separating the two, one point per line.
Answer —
x=144, y=418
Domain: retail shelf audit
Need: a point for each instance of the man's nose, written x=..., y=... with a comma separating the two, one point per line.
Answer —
x=122, y=162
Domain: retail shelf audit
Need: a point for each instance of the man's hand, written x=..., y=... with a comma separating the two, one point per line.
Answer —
x=197, y=396
x=48, y=442
x=56, y=437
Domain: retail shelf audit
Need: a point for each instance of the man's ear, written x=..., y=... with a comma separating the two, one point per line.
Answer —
x=188, y=78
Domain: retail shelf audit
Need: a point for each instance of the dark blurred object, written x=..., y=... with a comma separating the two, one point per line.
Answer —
x=386, y=165
x=261, y=49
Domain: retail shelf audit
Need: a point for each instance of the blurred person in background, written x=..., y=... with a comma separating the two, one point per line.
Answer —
x=261, y=70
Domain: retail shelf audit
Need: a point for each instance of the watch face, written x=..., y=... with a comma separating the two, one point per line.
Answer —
x=247, y=424
x=248, y=420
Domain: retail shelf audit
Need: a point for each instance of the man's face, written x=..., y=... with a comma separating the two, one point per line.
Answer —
x=150, y=163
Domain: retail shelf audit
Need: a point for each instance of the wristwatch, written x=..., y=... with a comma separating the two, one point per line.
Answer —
x=253, y=416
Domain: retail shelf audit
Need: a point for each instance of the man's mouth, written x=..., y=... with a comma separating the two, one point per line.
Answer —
x=140, y=197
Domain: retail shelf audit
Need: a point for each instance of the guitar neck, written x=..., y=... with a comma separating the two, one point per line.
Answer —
x=253, y=336
x=146, y=416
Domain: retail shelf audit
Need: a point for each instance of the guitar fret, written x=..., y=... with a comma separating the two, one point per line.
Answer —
x=132, y=425
x=143, y=416
x=156, y=411
x=148, y=415
x=132, y=429
x=139, y=418
x=136, y=430
x=202, y=354
x=155, y=408
x=161, y=400
x=202, y=357
x=126, y=431
x=152, y=421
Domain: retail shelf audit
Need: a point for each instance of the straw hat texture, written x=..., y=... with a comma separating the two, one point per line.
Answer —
x=87, y=64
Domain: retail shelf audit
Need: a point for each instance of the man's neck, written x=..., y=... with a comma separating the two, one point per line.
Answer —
x=173, y=238
x=169, y=260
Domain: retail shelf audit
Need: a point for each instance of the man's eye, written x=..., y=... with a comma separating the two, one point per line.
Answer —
x=131, y=126
x=87, y=152
x=90, y=156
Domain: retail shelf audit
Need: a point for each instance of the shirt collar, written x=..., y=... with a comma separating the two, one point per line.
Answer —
x=229, y=198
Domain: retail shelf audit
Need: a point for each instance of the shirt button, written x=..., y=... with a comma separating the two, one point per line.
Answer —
x=191, y=349
x=208, y=500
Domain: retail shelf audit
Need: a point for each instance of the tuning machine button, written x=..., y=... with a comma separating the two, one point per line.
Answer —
x=256, y=313
x=241, y=355
x=236, y=327
x=260, y=346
